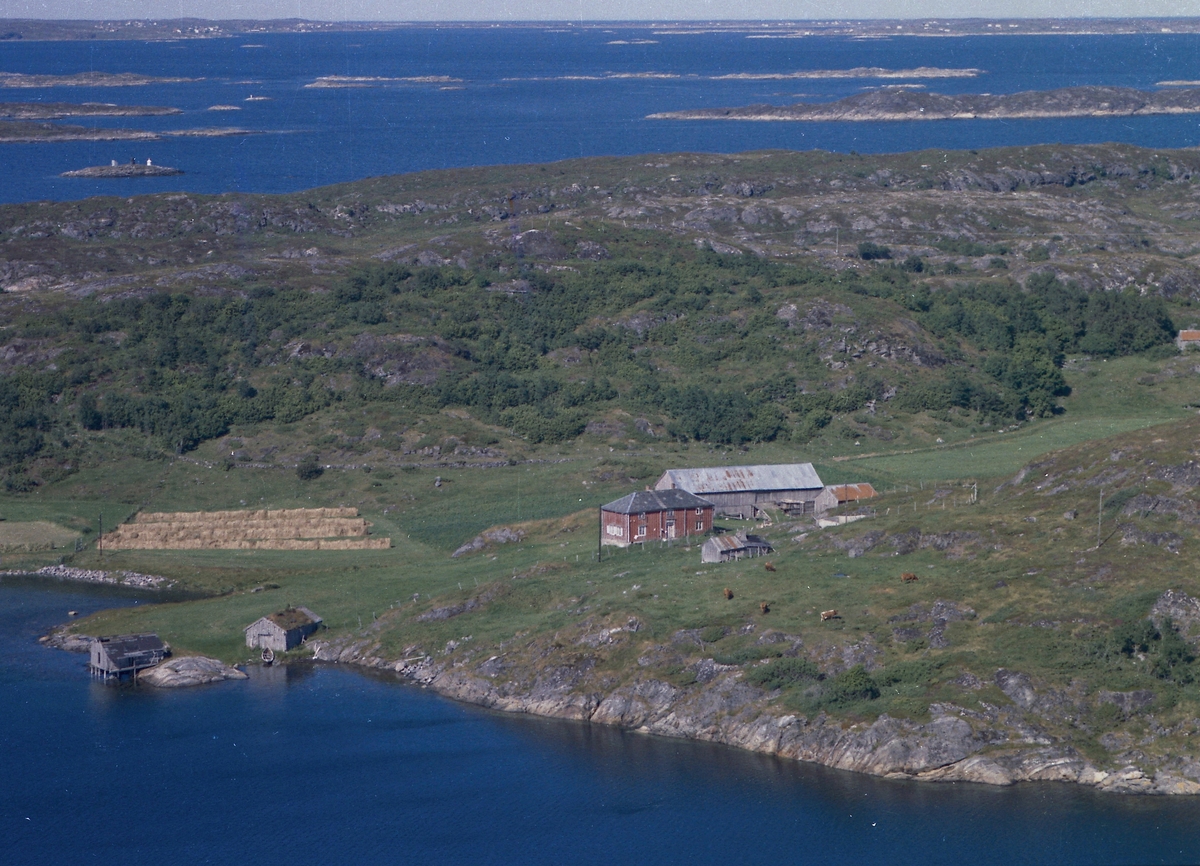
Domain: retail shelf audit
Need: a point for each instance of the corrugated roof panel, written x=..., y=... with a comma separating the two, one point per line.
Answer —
x=732, y=479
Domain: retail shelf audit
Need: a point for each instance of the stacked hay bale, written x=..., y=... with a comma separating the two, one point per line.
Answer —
x=286, y=529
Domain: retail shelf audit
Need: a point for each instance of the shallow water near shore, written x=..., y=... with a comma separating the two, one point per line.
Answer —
x=311, y=761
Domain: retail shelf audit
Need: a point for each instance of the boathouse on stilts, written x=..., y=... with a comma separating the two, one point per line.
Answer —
x=115, y=656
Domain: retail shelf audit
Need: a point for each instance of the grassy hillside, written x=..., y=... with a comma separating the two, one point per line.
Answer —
x=458, y=351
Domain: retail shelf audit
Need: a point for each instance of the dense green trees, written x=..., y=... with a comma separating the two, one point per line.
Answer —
x=689, y=335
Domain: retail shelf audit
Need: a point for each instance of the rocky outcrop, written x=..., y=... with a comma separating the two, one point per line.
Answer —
x=995, y=746
x=188, y=671
x=121, y=170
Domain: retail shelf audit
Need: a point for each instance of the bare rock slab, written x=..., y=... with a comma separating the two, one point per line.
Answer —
x=189, y=671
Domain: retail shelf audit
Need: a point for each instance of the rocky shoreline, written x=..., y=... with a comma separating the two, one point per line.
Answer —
x=995, y=746
x=131, y=579
x=895, y=104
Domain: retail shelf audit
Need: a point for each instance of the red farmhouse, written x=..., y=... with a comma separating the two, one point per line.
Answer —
x=652, y=515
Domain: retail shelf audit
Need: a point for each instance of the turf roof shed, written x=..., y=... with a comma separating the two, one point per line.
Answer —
x=283, y=630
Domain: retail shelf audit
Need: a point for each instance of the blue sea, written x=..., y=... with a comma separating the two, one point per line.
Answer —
x=331, y=765
x=327, y=765
x=524, y=95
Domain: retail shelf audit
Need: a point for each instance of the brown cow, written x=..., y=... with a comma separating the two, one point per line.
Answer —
x=829, y=614
x=766, y=608
x=909, y=577
x=770, y=566
x=728, y=594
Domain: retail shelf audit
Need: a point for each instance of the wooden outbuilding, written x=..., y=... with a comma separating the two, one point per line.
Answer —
x=115, y=656
x=654, y=515
x=738, y=545
x=742, y=491
x=841, y=494
x=1188, y=339
x=284, y=630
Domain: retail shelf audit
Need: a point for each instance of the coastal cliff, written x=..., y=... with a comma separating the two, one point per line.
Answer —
x=907, y=104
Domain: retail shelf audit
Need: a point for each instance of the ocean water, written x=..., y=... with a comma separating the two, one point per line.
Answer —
x=524, y=95
x=327, y=765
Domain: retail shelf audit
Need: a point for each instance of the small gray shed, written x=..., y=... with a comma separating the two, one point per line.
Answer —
x=120, y=654
x=282, y=631
x=738, y=545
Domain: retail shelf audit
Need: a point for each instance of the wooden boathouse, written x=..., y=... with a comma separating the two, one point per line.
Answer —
x=115, y=656
x=282, y=631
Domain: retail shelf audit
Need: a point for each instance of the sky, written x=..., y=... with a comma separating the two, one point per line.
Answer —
x=590, y=10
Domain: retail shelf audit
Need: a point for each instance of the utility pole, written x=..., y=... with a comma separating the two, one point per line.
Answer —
x=1099, y=517
x=100, y=537
x=599, y=533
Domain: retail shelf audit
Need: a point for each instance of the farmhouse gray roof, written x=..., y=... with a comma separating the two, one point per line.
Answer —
x=655, y=500
x=734, y=479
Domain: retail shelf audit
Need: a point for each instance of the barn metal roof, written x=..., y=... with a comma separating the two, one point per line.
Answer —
x=655, y=500
x=735, y=479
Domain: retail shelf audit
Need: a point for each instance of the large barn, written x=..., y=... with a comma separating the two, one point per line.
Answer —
x=653, y=515
x=741, y=491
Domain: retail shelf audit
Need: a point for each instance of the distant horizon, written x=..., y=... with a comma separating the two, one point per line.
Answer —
x=607, y=22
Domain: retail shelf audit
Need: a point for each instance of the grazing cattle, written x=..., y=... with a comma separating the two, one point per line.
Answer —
x=770, y=566
x=728, y=594
x=766, y=608
x=829, y=614
x=908, y=577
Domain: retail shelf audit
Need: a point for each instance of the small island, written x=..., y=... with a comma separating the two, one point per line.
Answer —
x=19, y=131
x=904, y=104
x=56, y=110
x=129, y=169
x=87, y=79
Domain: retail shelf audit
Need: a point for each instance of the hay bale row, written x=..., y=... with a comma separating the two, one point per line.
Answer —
x=249, y=544
x=260, y=514
x=249, y=529
x=264, y=529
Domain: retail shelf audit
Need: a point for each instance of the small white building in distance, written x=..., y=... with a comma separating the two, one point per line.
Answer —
x=282, y=631
x=1189, y=339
